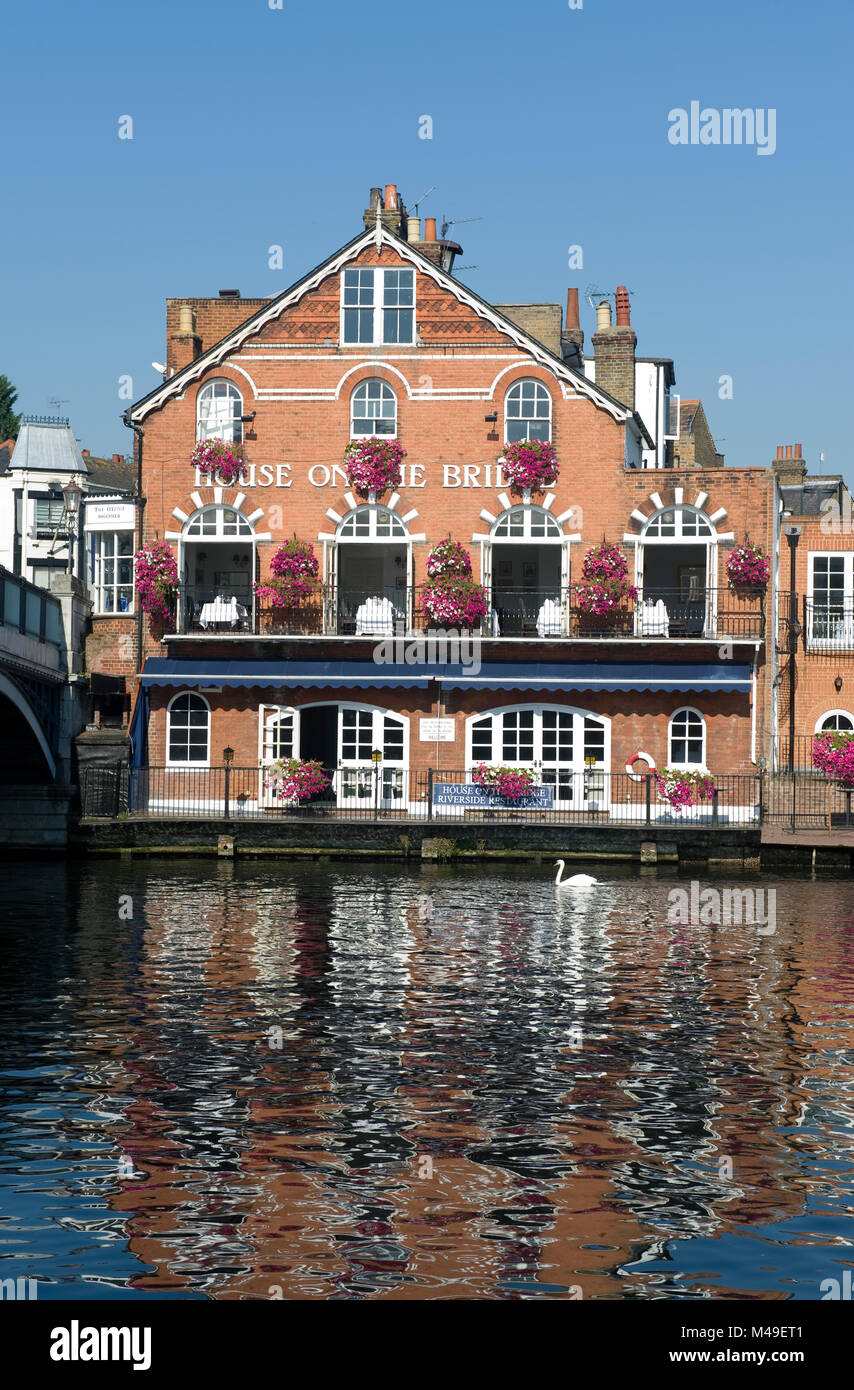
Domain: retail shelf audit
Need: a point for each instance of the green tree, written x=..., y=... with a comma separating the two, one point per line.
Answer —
x=10, y=423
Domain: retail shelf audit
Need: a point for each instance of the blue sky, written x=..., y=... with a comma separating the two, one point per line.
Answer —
x=255, y=126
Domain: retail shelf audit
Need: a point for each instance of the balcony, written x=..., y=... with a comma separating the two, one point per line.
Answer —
x=828, y=625
x=541, y=613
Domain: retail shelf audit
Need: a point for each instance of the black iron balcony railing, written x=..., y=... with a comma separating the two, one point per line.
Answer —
x=536, y=612
x=206, y=609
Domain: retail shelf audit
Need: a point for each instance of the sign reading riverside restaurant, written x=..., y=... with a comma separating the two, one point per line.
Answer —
x=474, y=798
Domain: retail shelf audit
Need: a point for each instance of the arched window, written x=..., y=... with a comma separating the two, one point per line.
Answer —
x=687, y=742
x=188, y=726
x=216, y=521
x=678, y=523
x=371, y=523
x=373, y=409
x=525, y=523
x=219, y=406
x=836, y=721
x=527, y=412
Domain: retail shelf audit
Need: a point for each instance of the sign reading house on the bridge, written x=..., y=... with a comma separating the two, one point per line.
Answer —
x=468, y=797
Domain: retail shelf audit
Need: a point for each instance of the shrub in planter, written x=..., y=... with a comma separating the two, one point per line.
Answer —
x=530, y=463
x=156, y=575
x=448, y=557
x=833, y=754
x=292, y=780
x=604, y=582
x=510, y=782
x=455, y=601
x=747, y=567
x=681, y=789
x=216, y=458
x=373, y=465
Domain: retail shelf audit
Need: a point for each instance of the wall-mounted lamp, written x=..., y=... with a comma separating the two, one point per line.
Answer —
x=247, y=419
x=227, y=755
x=491, y=419
x=837, y=684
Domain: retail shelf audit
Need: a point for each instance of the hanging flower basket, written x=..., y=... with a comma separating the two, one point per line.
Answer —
x=747, y=567
x=530, y=464
x=514, y=783
x=373, y=465
x=218, y=459
x=604, y=584
x=293, y=575
x=156, y=577
x=292, y=780
x=680, y=789
x=833, y=754
x=448, y=558
x=455, y=601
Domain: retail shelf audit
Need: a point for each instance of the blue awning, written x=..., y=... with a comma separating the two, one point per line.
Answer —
x=715, y=677
x=333, y=674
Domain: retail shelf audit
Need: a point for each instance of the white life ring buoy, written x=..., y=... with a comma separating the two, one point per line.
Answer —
x=638, y=776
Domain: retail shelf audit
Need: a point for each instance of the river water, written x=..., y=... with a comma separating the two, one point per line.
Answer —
x=333, y=1081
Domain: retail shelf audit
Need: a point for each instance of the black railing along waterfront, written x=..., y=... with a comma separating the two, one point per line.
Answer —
x=383, y=791
x=537, y=611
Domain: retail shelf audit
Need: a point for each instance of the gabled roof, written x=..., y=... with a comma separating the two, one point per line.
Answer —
x=47, y=448
x=379, y=236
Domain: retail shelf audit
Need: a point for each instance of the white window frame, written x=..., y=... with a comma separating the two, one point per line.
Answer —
x=95, y=559
x=528, y=510
x=234, y=424
x=195, y=762
x=397, y=537
x=518, y=385
x=245, y=530
x=378, y=307
x=834, y=714
x=385, y=388
x=539, y=709
x=680, y=537
x=844, y=640
x=701, y=766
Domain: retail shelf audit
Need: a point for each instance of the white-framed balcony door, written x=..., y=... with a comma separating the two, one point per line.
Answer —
x=552, y=743
x=362, y=783
x=278, y=737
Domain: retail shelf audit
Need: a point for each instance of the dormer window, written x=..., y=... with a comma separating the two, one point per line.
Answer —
x=377, y=306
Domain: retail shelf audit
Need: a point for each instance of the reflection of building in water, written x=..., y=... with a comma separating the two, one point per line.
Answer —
x=430, y=1127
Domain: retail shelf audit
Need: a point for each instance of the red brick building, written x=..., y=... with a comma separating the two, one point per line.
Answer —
x=381, y=339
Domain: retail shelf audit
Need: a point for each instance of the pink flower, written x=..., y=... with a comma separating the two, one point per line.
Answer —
x=605, y=580
x=454, y=600
x=373, y=465
x=747, y=565
x=293, y=780
x=513, y=783
x=156, y=576
x=682, y=788
x=833, y=754
x=530, y=463
x=218, y=458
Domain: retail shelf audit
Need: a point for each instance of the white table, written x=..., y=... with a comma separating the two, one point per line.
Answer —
x=654, y=618
x=549, y=619
x=375, y=618
x=223, y=610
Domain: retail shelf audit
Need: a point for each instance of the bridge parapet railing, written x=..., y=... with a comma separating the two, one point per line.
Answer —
x=27, y=609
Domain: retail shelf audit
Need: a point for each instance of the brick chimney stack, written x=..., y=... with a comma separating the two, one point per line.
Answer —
x=789, y=465
x=572, y=338
x=392, y=211
x=184, y=346
x=614, y=350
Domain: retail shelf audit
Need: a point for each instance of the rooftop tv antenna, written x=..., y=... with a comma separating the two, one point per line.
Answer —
x=55, y=400
x=456, y=222
x=595, y=297
x=415, y=206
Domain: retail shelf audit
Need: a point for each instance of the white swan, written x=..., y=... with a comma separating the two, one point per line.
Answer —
x=577, y=880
